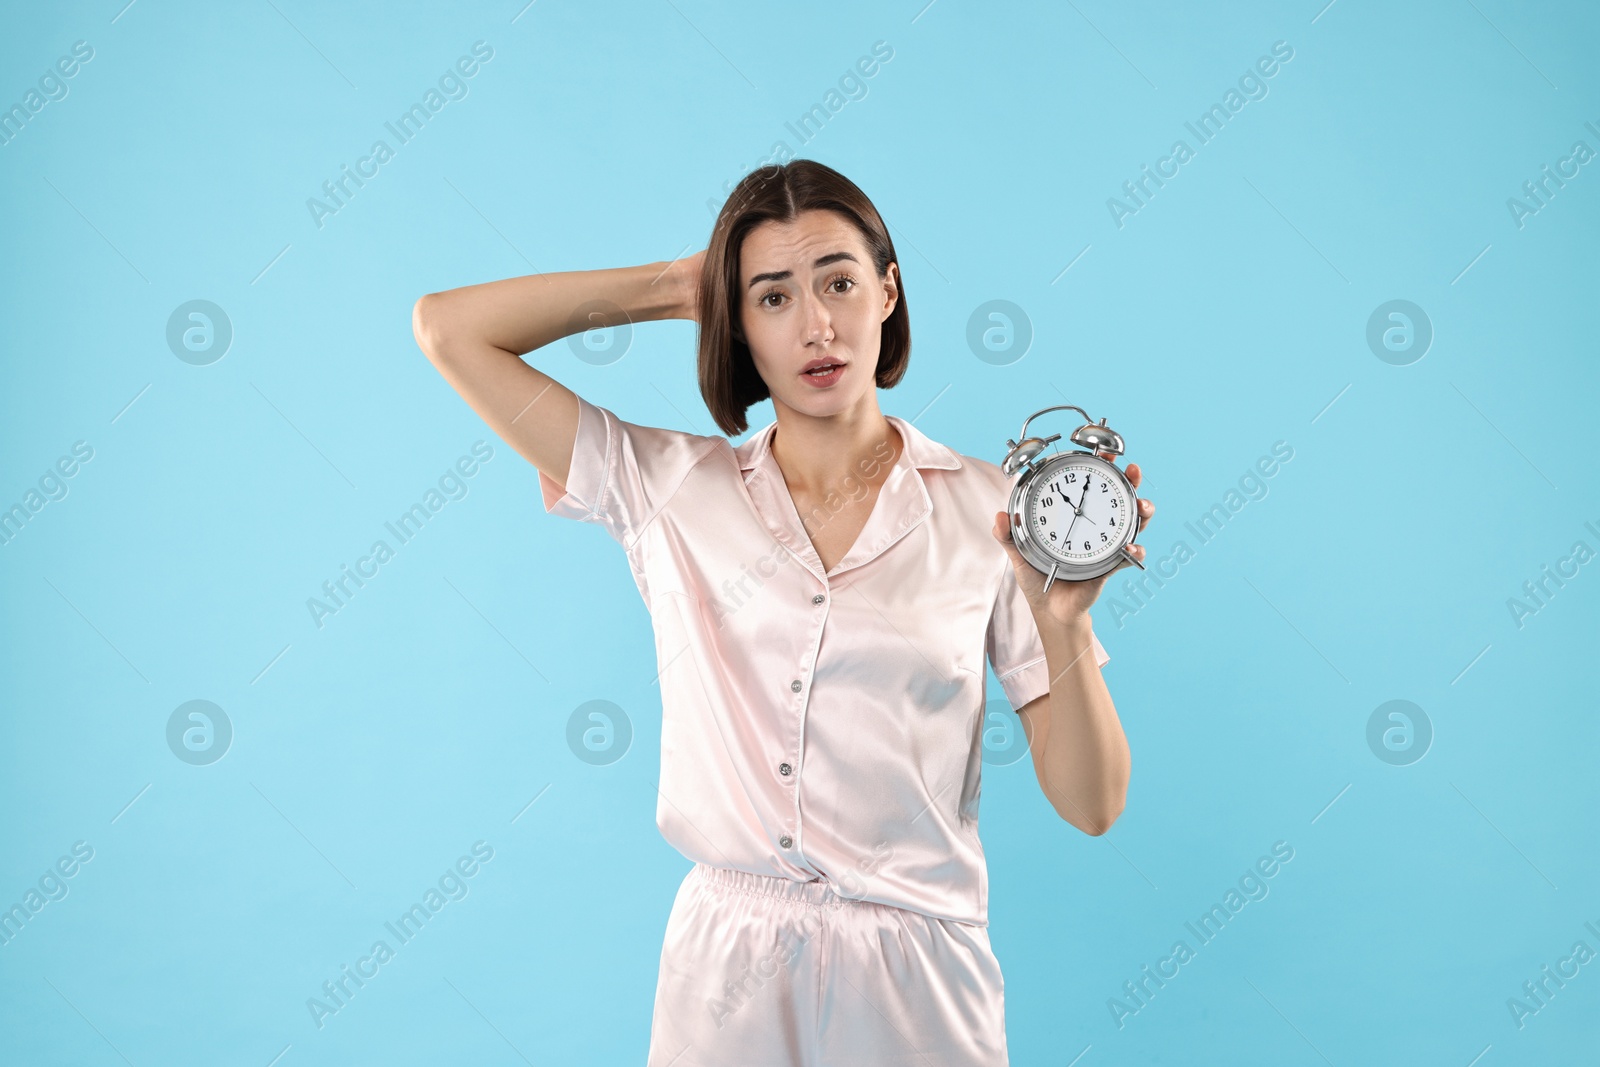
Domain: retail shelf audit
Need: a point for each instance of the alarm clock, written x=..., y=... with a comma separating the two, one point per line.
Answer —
x=1074, y=514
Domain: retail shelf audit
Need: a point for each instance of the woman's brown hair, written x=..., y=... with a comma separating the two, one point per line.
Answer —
x=729, y=382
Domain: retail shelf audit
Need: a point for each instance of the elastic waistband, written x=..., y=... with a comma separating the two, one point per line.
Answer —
x=815, y=892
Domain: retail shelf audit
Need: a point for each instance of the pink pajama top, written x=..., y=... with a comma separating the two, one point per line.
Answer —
x=817, y=724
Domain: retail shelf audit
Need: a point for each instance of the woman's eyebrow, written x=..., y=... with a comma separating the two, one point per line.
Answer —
x=822, y=261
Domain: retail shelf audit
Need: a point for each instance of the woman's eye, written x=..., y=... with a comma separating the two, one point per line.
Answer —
x=846, y=279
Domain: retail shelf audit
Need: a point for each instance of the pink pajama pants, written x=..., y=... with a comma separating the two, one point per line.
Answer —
x=769, y=972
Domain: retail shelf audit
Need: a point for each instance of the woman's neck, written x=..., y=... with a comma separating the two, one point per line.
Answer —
x=818, y=454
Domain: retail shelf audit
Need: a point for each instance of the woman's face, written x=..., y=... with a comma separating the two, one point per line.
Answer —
x=808, y=294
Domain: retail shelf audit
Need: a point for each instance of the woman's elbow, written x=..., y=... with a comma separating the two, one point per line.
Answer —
x=1097, y=820
x=1096, y=823
x=1105, y=823
x=427, y=323
x=1113, y=805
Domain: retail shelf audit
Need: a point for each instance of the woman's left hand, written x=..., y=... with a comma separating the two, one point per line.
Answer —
x=1068, y=602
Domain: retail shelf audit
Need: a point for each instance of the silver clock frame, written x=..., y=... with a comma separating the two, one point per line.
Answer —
x=1023, y=461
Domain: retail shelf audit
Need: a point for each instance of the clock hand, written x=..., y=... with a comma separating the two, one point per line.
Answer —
x=1074, y=521
x=1077, y=509
x=1077, y=512
x=1067, y=537
x=1083, y=498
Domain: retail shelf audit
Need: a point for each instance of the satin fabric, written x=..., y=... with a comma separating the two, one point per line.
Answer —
x=760, y=971
x=865, y=683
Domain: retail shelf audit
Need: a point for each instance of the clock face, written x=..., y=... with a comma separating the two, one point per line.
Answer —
x=1077, y=513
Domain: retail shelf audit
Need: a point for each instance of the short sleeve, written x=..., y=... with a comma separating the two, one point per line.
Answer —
x=1015, y=650
x=622, y=473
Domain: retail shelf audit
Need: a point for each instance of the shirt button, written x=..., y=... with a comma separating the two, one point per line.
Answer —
x=785, y=841
x=819, y=598
x=795, y=685
x=784, y=769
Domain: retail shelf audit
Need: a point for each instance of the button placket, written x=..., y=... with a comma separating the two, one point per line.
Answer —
x=786, y=769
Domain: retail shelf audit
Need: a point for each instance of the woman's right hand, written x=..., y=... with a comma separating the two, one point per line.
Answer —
x=684, y=276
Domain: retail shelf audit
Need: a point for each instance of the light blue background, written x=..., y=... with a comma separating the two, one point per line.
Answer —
x=1228, y=314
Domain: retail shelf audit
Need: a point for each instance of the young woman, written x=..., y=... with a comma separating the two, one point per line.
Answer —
x=823, y=596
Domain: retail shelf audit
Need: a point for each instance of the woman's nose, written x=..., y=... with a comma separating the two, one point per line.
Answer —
x=819, y=324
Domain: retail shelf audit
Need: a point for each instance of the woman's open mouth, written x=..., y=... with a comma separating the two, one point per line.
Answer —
x=822, y=373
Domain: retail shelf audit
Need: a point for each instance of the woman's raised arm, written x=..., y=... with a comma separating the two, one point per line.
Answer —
x=476, y=335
